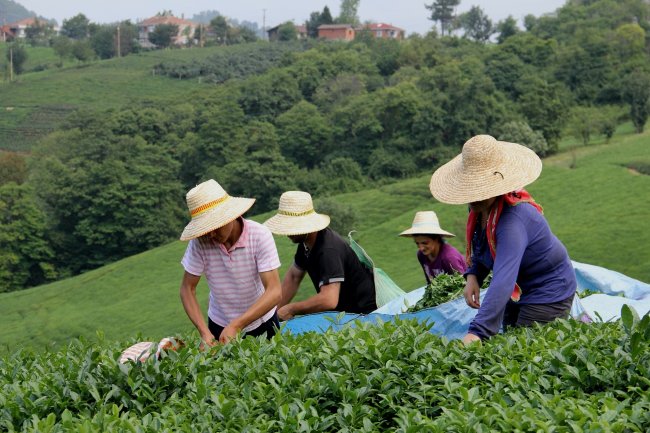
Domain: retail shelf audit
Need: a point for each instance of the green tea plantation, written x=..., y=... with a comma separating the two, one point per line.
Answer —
x=564, y=377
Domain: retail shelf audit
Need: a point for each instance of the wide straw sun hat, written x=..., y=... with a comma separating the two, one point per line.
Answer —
x=296, y=215
x=425, y=223
x=486, y=168
x=211, y=207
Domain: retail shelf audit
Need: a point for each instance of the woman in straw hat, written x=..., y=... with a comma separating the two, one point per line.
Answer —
x=434, y=254
x=532, y=276
x=341, y=281
x=240, y=262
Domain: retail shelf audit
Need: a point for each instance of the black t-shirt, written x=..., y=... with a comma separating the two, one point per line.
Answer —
x=332, y=260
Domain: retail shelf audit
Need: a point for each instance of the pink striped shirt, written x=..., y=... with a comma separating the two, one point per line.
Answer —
x=234, y=275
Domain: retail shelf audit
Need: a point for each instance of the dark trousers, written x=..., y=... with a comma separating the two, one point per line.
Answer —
x=269, y=328
x=526, y=314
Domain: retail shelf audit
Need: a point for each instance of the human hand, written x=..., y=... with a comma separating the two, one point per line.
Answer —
x=471, y=338
x=285, y=312
x=472, y=293
x=207, y=341
x=228, y=333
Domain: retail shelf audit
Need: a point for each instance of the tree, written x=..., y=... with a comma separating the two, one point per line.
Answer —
x=348, y=12
x=17, y=56
x=106, y=196
x=287, y=32
x=163, y=35
x=219, y=26
x=104, y=42
x=636, y=92
x=39, y=33
x=521, y=133
x=13, y=168
x=444, y=12
x=25, y=255
x=506, y=28
x=62, y=46
x=82, y=50
x=544, y=105
x=477, y=25
x=304, y=134
x=76, y=27
x=317, y=19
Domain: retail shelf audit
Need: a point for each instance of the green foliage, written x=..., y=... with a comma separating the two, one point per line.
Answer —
x=443, y=288
x=389, y=377
x=506, y=28
x=25, y=256
x=443, y=11
x=521, y=133
x=348, y=12
x=163, y=35
x=636, y=90
x=13, y=168
x=16, y=56
x=317, y=19
x=287, y=32
x=76, y=27
x=39, y=33
x=106, y=196
x=343, y=218
x=82, y=50
x=304, y=134
x=477, y=25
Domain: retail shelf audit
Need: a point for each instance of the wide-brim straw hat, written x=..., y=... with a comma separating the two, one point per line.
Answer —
x=486, y=168
x=211, y=208
x=426, y=223
x=296, y=215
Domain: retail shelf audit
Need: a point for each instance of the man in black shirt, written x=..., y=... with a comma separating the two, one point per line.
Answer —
x=341, y=281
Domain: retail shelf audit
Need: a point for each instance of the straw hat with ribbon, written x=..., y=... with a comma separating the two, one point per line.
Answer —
x=211, y=207
x=426, y=223
x=486, y=168
x=296, y=215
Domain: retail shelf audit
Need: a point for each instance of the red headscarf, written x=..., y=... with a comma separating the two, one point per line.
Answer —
x=511, y=199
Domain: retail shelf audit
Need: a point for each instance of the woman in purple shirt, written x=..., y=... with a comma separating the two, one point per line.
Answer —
x=532, y=276
x=434, y=254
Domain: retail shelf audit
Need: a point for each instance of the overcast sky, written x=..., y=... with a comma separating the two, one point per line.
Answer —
x=411, y=15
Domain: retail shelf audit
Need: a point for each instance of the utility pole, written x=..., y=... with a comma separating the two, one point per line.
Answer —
x=263, y=24
x=119, y=48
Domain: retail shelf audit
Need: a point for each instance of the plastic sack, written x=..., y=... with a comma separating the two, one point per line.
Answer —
x=385, y=288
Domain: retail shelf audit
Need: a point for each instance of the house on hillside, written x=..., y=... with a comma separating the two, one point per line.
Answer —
x=384, y=31
x=301, y=32
x=337, y=32
x=186, y=29
x=18, y=29
x=6, y=34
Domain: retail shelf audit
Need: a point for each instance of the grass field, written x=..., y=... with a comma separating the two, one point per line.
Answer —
x=36, y=102
x=598, y=209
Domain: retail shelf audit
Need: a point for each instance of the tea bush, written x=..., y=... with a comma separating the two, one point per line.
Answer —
x=564, y=377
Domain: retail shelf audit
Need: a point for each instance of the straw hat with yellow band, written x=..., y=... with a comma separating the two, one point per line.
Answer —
x=296, y=215
x=211, y=208
x=486, y=168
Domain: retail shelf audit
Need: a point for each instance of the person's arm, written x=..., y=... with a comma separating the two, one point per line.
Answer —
x=512, y=240
x=326, y=300
x=192, y=308
x=268, y=300
x=291, y=284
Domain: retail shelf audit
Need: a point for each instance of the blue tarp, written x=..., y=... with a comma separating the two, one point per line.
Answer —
x=452, y=318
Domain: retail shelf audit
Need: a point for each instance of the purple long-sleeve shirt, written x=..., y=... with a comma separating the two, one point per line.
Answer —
x=527, y=253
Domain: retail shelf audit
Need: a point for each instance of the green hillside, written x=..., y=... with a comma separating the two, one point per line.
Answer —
x=37, y=102
x=598, y=209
